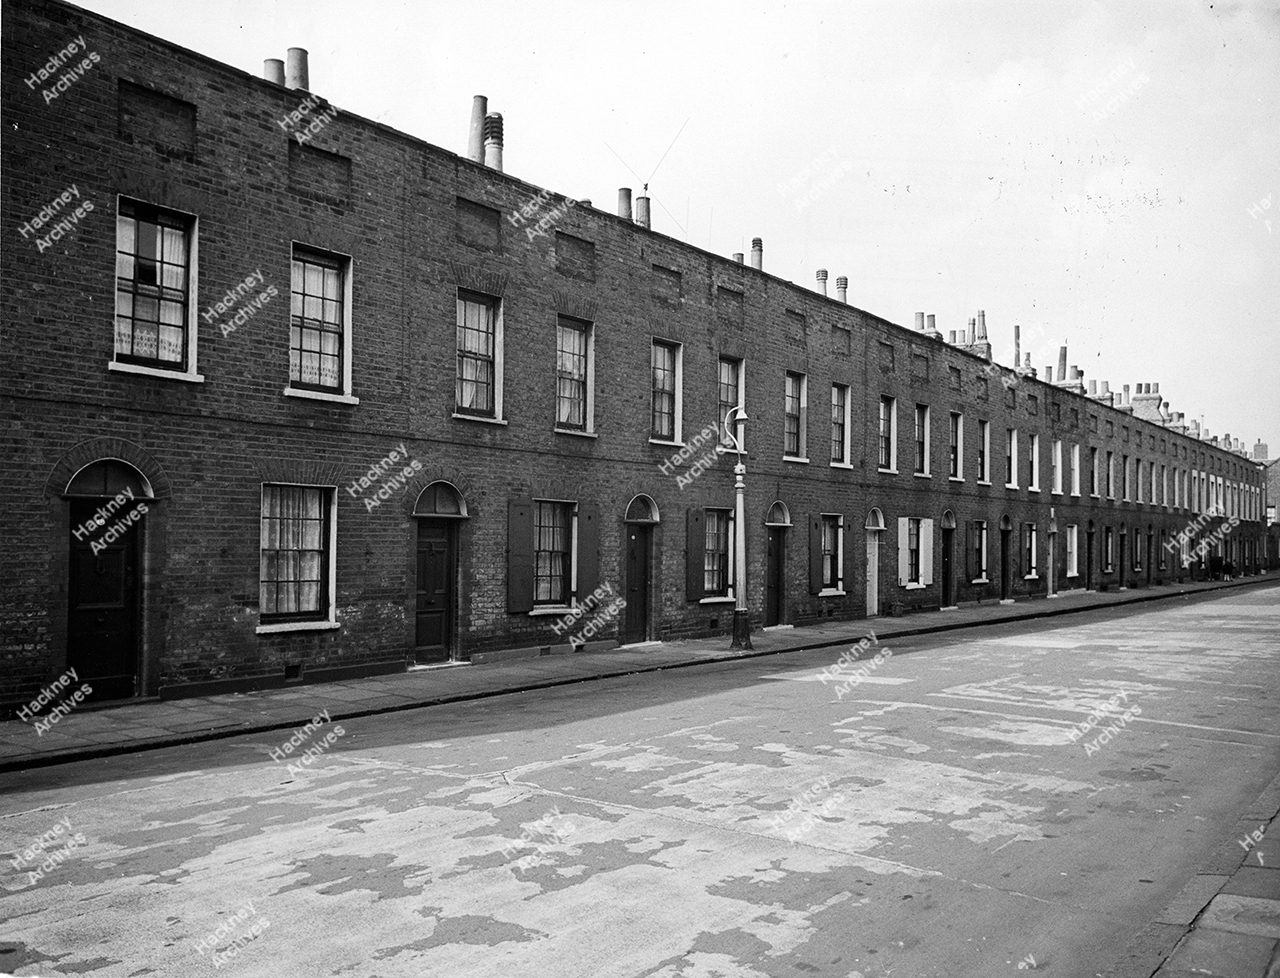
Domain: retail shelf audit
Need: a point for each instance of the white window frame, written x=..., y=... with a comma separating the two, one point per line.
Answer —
x=838, y=590
x=803, y=438
x=589, y=408
x=330, y=619
x=848, y=427
x=1095, y=483
x=928, y=448
x=739, y=427
x=1055, y=464
x=559, y=609
x=1073, y=550
x=984, y=467
x=958, y=418
x=729, y=597
x=1011, y=458
x=924, y=540
x=191, y=374
x=893, y=435
x=678, y=422
x=1034, y=486
x=1126, y=483
x=982, y=550
x=1033, y=556
x=498, y=364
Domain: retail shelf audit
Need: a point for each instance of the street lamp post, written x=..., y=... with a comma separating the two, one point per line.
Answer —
x=741, y=617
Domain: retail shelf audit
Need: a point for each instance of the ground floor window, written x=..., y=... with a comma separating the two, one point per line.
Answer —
x=552, y=552
x=1073, y=542
x=1108, y=549
x=978, y=551
x=715, y=557
x=1029, y=550
x=294, y=553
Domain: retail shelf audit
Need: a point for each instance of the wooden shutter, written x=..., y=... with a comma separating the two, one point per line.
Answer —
x=926, y=551
x=970, y=545
x=520, y=555
x=904, y=555
x=588, y=548
x=815, y=553
x=695, y=547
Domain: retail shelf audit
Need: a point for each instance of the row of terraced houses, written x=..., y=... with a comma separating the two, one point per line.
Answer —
x=294, y=396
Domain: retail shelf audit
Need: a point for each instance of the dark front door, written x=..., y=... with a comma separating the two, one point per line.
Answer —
x=948, y=586
x=102, y=620
x=1150, y=557
x=1088, y=561
x=1004, y=564
x=635, y=621
x=1123, y=536
x=773, y=571
x=437, y=575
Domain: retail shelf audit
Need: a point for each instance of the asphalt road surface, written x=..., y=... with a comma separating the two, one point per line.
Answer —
x=943, y=814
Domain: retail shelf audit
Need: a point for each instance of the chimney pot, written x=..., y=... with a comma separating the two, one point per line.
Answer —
x=1093, y=388
x=475, y=139
x=842, y=288
x=757, y=253
x=296, y=73
x=1155, y=388
x=737, y=256
x=624, y=202
x=493, y=140
x=920, y=322
x=982, y=324
x=1062, y=363
x=642, y=211
x=952, y=333
x=932, y=323
x=1017, y=345
x=822, y=279
x=273, y=71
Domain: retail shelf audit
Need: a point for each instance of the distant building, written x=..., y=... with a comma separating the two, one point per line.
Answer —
x=293, y=396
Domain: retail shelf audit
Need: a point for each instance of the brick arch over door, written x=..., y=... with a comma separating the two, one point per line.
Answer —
x=101, y=449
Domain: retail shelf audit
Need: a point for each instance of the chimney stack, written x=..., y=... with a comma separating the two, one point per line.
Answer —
x=642, y=211
x=757, y=253
x=931, y=324
x=273, y=71
x=920, y=322
x=1062, y=364
x=952, y=341
x=493, y=141
x=982, y=324
x=1017, y=346
x=1030, y=369
x=296, y=73
x=1260, y=449
x=737, y=256
x=624, y=202
x=822, y=280
x=1126, y=395
x=1093, y=388
x=842, y=288
x=475, y=139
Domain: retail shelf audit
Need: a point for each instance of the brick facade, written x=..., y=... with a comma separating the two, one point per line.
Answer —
x=417, y=226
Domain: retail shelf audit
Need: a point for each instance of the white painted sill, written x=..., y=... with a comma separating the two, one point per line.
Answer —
x=320, y=396
x=543, y=611
x=842, y=465
x=576, y=433
x=297, y=626
x=795, y=458
x=728, y=599
x=955, y=478
x=190, y=377
x=980, y=580
x=914, y=586
x=477, y=418
x=831, y=592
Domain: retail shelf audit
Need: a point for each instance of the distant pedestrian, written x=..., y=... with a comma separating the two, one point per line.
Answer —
x=1228, y=569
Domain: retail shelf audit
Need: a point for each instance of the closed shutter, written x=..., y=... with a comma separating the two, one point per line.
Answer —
x=588, y=548
x=815, y=554
x=695, y=544
x=970, y=556
x=904, y=556
x=926, y=551
x=520, y=555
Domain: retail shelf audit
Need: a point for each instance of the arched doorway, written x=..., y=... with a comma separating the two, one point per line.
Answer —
x=875, y=532
x=777, y=521
x=439, y=511
x=1006, y=571
x=108, y=502
x=948, y=559
x=640, y=519
x=1053, y=557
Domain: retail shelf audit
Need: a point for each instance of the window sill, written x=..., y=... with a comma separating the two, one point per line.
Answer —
x=320, y=396
x=984, y=482
x=922, y=475
x=726, y=599
x=831, y=592
x=913, y=586
x=955, y=478
x=559, y=610
x=297, y=626
x=980, y=580
x=476, y=417
x=1011, y=485
x=575, y=433
x=842, y=465
x=1055, y=492
x=795, y=458
x=190, y=377
x=660, y=441
x=887, y=471
x=1071, y=574
x=1031, y=577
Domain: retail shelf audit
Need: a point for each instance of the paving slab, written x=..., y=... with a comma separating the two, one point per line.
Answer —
x=1219, y=954
x=1242, y=915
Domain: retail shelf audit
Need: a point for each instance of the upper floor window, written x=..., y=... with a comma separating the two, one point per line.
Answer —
x=730, y=395
x=839, y=424
x=793, y=432
x=1075, y=470
x=1033, y=465
x=922, y=439
x=316, y=322
x=888, y=434
x=1111, y=475
x=1055, y=466
x=154, y=322
x=574, y=370
x=1011, y=458
x=479, y=381
x=1093, y=471
x=957, y=446
x=665, y=363
x=984, y=451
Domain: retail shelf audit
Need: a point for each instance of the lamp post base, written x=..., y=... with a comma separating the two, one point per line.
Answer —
x=741, y=630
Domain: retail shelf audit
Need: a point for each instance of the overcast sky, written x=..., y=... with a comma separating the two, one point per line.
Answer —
x=1084, y=169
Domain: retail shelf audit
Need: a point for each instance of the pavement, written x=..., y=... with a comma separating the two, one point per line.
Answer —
x=1225, y=922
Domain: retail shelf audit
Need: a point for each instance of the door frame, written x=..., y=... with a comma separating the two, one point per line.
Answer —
x=777, y=517
x=646, y=629
x=642, y=510
x=452, y=573
x=948, y=527
x=874, y=527
x=1006, y=573
x=440, y=500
